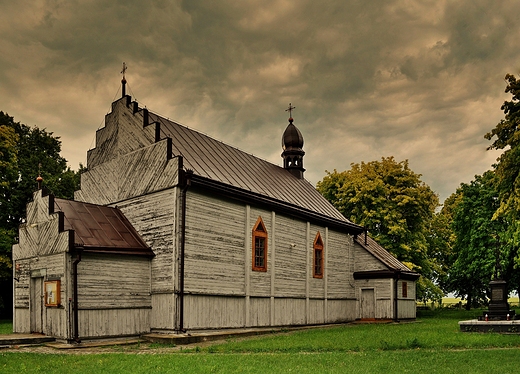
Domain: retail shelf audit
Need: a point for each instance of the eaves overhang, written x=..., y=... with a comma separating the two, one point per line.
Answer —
x=145, y=252
x=387, y=274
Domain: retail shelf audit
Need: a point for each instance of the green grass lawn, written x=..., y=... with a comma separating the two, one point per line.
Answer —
x=433, y=344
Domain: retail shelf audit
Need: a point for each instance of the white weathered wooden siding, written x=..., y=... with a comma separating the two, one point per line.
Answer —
x=163, y=311
x=289, y=311
x=410, y=288
x=316, y=311
x=214, y=247
x=260, y=311
x=40, y=253
x=291, y=257
x=154, y=218
x=218, y=269
x=40, y=235
x=46, y=267
x=141, y=172
x=383, y=289
x=261, y=280
x=365, y=260
x=210, y=312
x=123, y=133
x=341, y=310
x=406, y=308
x=107, y=281
x=340, y=280
x=113, y=322
x=21, y=321
x=113, y=295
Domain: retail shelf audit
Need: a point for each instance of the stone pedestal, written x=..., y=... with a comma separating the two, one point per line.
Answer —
x=498, y=306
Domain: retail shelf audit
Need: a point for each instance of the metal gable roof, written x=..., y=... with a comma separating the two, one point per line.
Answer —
x=217, y=161
x=383, y=255
x=100, y=228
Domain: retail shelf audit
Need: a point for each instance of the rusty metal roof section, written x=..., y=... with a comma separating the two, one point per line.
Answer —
x=392, y=263
x=217, y=161
x=100, y=229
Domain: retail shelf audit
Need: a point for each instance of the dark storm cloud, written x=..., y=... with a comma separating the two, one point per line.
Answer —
x=419, y=80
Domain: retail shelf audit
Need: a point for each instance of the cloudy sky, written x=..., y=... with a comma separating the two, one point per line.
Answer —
x=421, y=80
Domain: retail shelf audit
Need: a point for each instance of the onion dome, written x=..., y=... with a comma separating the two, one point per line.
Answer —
x=292, y=137
x=292, y=144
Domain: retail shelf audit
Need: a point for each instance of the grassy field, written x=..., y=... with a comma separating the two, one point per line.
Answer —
x=447, y=301
x=433, y=344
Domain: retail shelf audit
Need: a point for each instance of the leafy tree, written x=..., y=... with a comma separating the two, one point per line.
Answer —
x=441, y=241
x=397, y=207
x=8, y=177
x=507, y=168
x=478, y=240
x=24, y=152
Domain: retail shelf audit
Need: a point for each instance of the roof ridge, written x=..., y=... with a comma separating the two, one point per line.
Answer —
x=214, y=139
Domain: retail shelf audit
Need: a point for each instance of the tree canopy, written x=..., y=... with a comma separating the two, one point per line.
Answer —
x=478, y=240
x=506, y=135
x=394, y=204
x=26, y=152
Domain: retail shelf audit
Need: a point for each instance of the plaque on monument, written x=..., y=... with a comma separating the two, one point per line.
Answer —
x=497, y=294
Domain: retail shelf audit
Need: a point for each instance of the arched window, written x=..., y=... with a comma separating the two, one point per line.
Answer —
x=318, y=257
x=259, y=246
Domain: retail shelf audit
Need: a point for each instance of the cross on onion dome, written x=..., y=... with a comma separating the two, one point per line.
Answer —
x=290, y=109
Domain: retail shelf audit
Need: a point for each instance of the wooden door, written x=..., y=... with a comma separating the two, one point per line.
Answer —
x=368, y=304
x=36, y=305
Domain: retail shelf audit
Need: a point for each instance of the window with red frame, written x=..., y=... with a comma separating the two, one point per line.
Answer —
x=318, y=257
x=259, y=255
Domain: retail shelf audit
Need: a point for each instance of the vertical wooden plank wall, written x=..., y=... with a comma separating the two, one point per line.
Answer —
x=214, y=263
x=223, y=291
x=40, y=253
x=113, y=295
x=406, y=307
x=154, y=216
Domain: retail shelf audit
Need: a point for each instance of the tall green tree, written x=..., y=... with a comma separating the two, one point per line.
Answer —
x=8, y=179
x=441, y=241
x=478, y=240
x=391, y=200
x=24, y=153
x=506, y=136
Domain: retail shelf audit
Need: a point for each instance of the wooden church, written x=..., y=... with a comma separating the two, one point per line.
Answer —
x=174, y=231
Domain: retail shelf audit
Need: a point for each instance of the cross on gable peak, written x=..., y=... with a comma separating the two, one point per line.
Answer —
x=124, y=69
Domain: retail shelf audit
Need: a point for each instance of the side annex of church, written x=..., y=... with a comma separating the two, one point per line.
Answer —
x=174, y=231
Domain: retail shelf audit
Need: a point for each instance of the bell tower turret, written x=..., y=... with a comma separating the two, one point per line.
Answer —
x=292, y=144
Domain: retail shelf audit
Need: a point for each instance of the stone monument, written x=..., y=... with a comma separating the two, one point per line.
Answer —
x=498, y=309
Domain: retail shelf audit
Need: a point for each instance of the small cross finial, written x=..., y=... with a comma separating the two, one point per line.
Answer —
x=124, y=70
x=39, y=179
x=123, y=81
x=290, y=109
